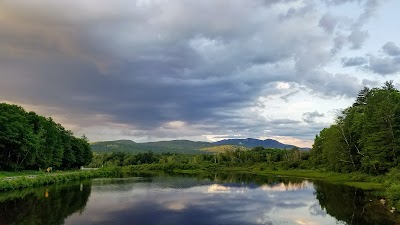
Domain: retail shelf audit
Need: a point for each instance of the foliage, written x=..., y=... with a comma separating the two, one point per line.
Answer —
x=30, y=141
x=18, y=182
x=294, y=158
x=127, y=146
x=365, y=138
x=223, y=148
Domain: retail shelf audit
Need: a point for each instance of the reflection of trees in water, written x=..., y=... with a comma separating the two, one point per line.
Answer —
x=45, y=206
x=230, y=179
x=255, y=180
x=286, y=186
x=352, y=205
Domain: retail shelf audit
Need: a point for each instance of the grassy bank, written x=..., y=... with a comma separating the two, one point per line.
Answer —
x=24, y=179
x=17, y=180
x=386, y=185
x=358, y=180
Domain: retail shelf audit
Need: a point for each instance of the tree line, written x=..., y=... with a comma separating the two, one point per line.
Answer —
x=31, y=141
x=365, y=137
x=293, y=158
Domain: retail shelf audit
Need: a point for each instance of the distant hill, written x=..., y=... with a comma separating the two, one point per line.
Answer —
x=110, y=146
x=176, y=146
x=251, y=143
x=180, y=144
x=185, y=146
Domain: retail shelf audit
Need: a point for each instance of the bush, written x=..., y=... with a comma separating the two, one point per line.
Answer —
x=393, y=195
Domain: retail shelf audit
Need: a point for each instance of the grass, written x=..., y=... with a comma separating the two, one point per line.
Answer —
x=24, y=179
x=4, y=174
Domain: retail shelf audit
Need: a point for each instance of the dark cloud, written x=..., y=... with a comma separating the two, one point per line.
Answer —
x=328, y=22
x=330, y=85
x=391, y=49
x=357, y=35
x=369, y=8
x=339, y=2
x=338, y=43
x=310, y=117
x=154, y=67
x=287, y=96
x=295, y=12
x=380, y=64
x=357, y=38
x=370, y=83
x=354, y=61
x=385, y=65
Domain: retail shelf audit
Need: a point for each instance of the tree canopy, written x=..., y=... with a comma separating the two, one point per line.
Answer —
x=365, y=137
x=30, y=141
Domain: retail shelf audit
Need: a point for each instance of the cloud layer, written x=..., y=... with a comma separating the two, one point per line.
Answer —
x=174, y=69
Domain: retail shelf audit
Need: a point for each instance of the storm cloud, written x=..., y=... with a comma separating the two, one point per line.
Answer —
x=391, y=49
x=355, y=61
x=310, y=117
x=174, y=69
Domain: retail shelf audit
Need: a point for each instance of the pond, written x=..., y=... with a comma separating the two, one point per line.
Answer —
x=215, y=199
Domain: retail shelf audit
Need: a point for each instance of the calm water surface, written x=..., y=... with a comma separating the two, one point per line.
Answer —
x=217, y=199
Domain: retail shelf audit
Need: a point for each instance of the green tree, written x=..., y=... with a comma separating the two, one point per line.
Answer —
x=381, y=134
x=365, y=137
x=18, y=143
x=30, y=141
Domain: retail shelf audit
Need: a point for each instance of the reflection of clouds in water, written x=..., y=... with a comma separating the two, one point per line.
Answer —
x=177, y=206
x=316, y=210
x=290, y=205
x=287, y=187
x=217, y=188
x=150, y=203
x=306, y=222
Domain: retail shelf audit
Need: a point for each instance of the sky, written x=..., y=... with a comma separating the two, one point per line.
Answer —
x=150, y=70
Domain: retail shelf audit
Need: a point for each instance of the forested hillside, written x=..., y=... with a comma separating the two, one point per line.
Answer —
x=185, y=146
x=30, y=141
x=252, y=143
x=128, y=146
x=366, y=137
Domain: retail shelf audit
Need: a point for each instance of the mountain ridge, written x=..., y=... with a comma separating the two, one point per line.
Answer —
x=185, y=146
x=253, y=142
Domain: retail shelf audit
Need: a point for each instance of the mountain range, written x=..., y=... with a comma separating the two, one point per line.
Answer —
x=251, y=143
x=185, y=146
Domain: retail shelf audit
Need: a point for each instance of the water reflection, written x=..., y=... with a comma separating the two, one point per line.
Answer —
x=44, y=206
x=352, y=205
x=172, y=200
x=201, y=200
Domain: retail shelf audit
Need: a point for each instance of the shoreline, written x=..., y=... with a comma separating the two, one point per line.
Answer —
x=365, y=182
x=358, y=180
x=9, y=183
